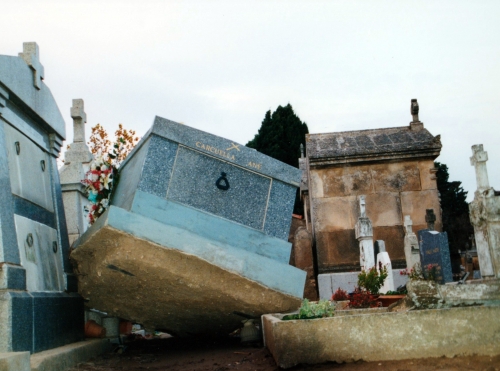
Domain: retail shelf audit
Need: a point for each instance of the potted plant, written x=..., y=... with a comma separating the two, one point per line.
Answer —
x=391, y=297
x=311, y=310
x=341, y=298
x=366, y=293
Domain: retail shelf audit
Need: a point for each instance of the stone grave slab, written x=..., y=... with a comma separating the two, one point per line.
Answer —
x=219, y=210
x=434, y=251
x=39, y=307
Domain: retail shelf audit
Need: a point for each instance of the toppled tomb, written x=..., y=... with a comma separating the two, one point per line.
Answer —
x=195, y=238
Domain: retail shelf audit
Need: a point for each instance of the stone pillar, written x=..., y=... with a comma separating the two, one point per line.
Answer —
x=364, y=235
x=76, y=163
x=485, y=217
x=412, y=252
x=430, y=219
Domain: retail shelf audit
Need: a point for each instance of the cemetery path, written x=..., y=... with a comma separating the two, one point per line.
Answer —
x=176, y=354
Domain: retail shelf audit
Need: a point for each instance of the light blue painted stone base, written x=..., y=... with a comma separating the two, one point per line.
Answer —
x=268, y=272
x=211, y=227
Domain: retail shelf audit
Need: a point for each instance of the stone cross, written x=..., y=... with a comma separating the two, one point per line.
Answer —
x=478, y=160
x=364, y=234
x=79, y=119
x=485, y=203
x=430, y=219
x=414, y=110
x=362, y=206
x=408, y=224
x=31, y=56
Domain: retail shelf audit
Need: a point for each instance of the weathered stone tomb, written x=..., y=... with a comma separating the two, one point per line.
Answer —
x=392, y=167
x=196, y=237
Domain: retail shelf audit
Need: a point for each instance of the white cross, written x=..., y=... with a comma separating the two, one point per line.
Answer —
x=79, y=119
x=362, y=206
x=31, y=56
x=478, y=160
x=408, y=224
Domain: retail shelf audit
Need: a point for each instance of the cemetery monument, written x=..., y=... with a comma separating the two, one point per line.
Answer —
x=485, y=217
x=195, y=239
x=76, y=163
x=434, y=251
x=392, y=167
x=39, y=306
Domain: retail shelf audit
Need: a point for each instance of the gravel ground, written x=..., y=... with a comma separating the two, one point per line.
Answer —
x=228, y=354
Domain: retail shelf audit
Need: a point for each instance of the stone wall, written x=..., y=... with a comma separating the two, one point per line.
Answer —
x=392, y=190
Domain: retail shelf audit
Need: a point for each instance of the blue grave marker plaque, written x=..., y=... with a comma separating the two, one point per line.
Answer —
x=435, y=253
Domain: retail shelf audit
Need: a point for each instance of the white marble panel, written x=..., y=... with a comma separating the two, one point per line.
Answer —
x=324, y=286
x=39, y=256
x=29, y=170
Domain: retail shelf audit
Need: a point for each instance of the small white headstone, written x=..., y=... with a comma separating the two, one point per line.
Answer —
x=412, y=251
x=383, y=260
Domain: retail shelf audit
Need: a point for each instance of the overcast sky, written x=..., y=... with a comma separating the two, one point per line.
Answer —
x=220, y=65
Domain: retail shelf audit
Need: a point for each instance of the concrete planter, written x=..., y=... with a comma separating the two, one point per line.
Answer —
x=376, y=335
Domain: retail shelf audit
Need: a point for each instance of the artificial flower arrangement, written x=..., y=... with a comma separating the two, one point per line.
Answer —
x=428, y=273
x=102, y=177
x=99, y=185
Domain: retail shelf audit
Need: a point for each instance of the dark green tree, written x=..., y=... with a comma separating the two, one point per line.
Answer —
x=455, y=210
x=280, y=136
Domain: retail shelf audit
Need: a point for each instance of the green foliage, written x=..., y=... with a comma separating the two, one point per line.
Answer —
x=455, y=210
x=372, y=280
x=311, y=310
x=280, y=136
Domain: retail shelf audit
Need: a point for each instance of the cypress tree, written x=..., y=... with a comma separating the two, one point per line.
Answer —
x=280, y=136
x=455, y=210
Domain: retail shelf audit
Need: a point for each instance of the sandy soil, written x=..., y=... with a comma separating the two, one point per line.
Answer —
x=228, y=354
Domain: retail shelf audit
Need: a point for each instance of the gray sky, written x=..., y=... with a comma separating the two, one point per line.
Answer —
x=220, y=65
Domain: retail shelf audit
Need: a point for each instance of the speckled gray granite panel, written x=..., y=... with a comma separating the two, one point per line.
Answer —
x=194, y=183
x=58, y=319
x=226, y=150
x=22, y=321
x=434, y=251
x=158, y=166
x=33, y=211
x=62, y=228
x=8, y=241
x=12, y=277
x=130, y=175
x=279, y=210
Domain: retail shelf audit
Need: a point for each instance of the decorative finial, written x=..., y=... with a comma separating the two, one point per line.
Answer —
x=301, y=150
x=414, y=110
x=430, y=219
